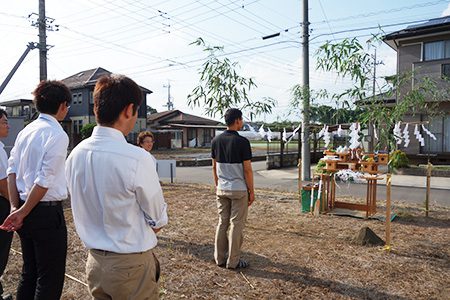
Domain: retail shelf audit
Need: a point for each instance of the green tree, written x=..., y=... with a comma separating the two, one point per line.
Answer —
x=86, y=130
x=221, y=87
x=349, y=59
x=329, y=115
x=151, y=110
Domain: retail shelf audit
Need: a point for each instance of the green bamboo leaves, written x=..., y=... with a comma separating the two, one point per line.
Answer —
x=221, y=87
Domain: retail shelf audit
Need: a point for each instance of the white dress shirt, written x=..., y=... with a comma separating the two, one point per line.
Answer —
x=38, y=158
x=115, y=193
x=3, y=161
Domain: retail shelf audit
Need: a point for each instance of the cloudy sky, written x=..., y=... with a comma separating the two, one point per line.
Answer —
x=148, y=40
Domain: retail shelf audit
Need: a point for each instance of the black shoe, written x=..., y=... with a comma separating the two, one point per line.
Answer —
x=242, y=264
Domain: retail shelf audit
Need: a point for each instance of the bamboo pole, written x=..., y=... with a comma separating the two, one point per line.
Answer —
x=427, y=197
x=388, y=211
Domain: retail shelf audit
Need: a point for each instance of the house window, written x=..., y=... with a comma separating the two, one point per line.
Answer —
x=91, y=97
x=178, y=135
x=436, y=50
x=207, y=136
x=77, y=125
x=446, y=71
x=440, y=127
x=77, y=98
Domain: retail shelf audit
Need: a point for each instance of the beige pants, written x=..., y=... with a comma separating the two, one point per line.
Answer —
x=122, y=276
x=232, y=207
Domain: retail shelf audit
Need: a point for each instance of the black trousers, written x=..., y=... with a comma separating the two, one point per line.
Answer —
x=5, y=238
x=44, y=246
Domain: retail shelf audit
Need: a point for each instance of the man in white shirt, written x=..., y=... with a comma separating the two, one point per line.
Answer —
x=5, y=237
x=37, y=186
x=117, y=201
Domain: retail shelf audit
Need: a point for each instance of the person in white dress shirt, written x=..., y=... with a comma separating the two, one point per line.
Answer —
x=5, y=208
x=37, y=186
x=117, y=201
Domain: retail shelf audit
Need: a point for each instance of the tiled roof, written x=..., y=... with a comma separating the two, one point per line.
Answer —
x=178, y=117
x=89, y=78
x=16, y=102
x=430, y=26
x=156, y=116
x=431, y=22
x=85, y=78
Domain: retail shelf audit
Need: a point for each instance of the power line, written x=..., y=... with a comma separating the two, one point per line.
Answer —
x=326, y=19
x=12, y=15
x=374, y=13
x=208, y=18
x=367, y=22
x=368, y=28
x=242, y=7
x=174, y=18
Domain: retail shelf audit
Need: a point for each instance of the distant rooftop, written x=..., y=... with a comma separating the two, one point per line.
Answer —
x=89, y=78
x=179, y=117
x=431, y=26
x=431, y=22
x=16, y=102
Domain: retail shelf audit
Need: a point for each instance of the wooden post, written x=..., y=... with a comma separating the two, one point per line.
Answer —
x=427, y=197
x=299, y=144
x=281, y=149
x=388, y=211
x=314, y=146
x=300, y=184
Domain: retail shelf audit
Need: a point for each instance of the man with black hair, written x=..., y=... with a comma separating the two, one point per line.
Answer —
x=117, y=201
x=233, y=178
x=37, y=186
x=5, y=208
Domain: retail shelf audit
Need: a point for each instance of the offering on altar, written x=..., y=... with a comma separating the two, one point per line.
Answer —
x=383, y=158
x=329, y=152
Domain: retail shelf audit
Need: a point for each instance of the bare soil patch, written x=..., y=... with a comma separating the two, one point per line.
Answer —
x=292, y=255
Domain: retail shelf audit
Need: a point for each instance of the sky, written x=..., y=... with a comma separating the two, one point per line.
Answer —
x=149, y=41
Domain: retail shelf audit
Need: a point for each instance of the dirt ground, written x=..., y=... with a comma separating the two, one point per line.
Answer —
x=292, y=255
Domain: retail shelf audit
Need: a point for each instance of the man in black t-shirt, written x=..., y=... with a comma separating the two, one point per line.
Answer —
x=233, y=177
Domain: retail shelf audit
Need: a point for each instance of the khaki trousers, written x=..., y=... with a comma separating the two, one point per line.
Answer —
x=232, y=207
x=122, y=276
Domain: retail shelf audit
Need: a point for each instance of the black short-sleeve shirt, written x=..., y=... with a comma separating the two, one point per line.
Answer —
x=230, y=150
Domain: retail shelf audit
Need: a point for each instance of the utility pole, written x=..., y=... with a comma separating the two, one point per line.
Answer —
x=306, y=154
x=42, y=24
x=169, y=103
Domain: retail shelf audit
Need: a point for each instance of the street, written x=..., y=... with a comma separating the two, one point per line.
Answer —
x=404, y=188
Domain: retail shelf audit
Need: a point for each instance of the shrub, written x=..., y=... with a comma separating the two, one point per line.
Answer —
x=86, y=130
x=398, y=159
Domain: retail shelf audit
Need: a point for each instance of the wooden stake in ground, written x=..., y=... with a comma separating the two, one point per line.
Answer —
x=388, y=211
x=427, y=197
x=311, y=199
x=300, y=184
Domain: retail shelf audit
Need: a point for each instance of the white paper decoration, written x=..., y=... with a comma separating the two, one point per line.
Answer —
x=406, y=136
x=354, y=136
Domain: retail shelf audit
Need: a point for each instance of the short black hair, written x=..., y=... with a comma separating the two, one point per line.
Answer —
x=112, y=94
x=231, y=115
x=3, y=113
x=49, y=95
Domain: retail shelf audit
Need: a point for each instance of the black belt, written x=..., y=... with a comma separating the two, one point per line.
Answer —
x=45, y=203
x=105, y=252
